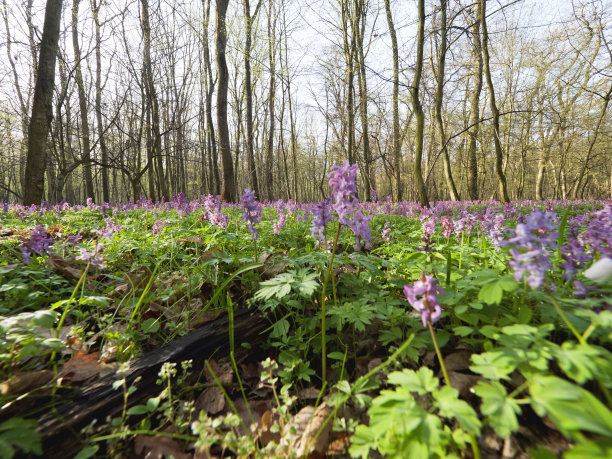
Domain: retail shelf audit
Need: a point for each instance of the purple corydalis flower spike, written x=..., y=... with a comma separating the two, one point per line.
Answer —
x=422, y=296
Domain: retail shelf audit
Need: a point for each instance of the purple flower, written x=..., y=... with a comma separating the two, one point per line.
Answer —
x=343, y=182
x=321, y=216
x=386, y=232
x=109, y=229
x=158, y=226
x=39, y=243
x=280, y=223
x=252, y=212
x=447, y=227
x=422, y=296
x=529, y=247
x=92, y=257
x=360, y=225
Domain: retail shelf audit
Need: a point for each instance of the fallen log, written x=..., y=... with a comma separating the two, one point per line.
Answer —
x=60, y=426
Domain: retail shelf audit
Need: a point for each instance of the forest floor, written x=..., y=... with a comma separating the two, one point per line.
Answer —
x=203, y=329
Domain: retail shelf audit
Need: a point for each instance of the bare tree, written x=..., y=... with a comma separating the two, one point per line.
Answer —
x=40, y=121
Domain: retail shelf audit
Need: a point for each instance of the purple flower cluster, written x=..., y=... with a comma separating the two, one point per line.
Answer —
x=343, y=182
x=280, y=223
x=38, y=243
x=530, y=243
x=423, y=297
x=109, y=229
x=321, y=216
x=252, y=212
x=447, y=227
x=92, y=257
x=386, y=231
x=158, y=226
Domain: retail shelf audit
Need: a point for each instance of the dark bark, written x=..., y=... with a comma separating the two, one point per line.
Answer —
x=448, y=175
x=499, y=172
x=78, y=74
x=397, y=154
x=418, y=109
x=248, y=92
x=474, y=112
x=42, y=110
x=228, y=192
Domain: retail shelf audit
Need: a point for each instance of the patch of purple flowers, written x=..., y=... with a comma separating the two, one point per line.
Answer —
x=386, y=232
x=92, y=257
x=321, y=216
x=343, y=182
x=252, y=212
x=423, y=297
x=39, y=243
x=529, y=244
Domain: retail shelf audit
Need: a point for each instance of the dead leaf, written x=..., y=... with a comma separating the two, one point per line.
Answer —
x=309, y=393
x=22, y=382
x=458, y=360
x=306, y=424
x=158, y=448
x=211, y=400
x=223, y=372
x=339, y=445
x=463, y=383
x=79, y=368
x=66, y=268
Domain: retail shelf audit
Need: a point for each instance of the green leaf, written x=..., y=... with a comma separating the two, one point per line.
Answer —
x=87, y=452
x=571, y=408
x=336, y=355
x=450, y=406
x=45, y=318
x=496, y=364
x=491, y=293
x=153, y=403
x=591, y=448
x=137, y=410
x=22, y=434
x=150, y=325
x=462, y=330
x=500, y=410
x=582, y=362
x=421, y=382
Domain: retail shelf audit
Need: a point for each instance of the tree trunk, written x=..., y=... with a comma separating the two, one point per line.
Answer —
x=418, y=109
x=499, y=172
x=40, y=121
x=349, y=58
x=228, y=192
x=271, y=103
x=95, y=9
x=397, y=154
x=248, y=92
x=475, y=113
x=156, y=147
x=448, y=174
x=78, y=74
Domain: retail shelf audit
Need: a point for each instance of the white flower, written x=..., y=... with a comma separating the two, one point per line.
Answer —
x=600, y=271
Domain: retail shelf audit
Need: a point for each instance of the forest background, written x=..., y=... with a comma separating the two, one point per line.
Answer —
x=434, y=100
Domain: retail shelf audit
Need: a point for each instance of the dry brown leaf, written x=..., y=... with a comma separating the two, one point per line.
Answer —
x=211, y=400
x=67, y=269
x=79, y=368
x=463, y=383
x=458, y=360
x=222, y=371
x=306, y=425
x=22, y=382
x=159, y=448
x=340, y=444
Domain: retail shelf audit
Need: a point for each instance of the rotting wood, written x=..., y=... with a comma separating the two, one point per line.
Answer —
x=60, y=428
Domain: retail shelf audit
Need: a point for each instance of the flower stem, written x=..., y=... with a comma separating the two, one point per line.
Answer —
x=438, y=353
x=325, y=281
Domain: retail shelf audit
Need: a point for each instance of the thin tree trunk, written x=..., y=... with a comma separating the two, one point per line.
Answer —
x=271, y=104
x=248, y=91
x=228, y=192
x=86, y=144
x=499, y=172
x=448, y=174
x=349, y=58
x=397, y=154
x=95, y=9
x=475, y=113
x=418, y=108
x=40, y=121
x=153, y=102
